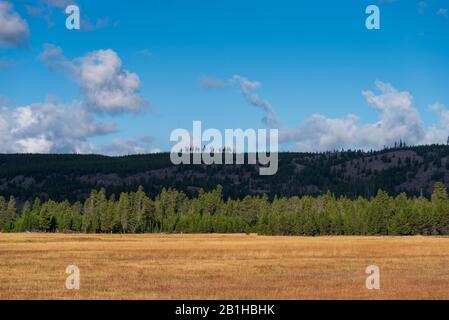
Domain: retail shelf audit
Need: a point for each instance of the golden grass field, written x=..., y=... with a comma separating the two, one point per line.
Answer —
x=32, y=266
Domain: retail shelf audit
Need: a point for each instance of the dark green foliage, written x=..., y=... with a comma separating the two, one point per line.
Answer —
x=172, y=211
x=349, y=173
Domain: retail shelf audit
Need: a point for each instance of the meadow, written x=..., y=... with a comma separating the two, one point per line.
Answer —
x=217, y=266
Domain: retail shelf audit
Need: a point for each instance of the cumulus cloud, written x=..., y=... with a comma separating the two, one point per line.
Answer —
x=438, y=132
x=106, y=85
x=398, y=119
x=319, y=133
x=49, y=128
x=52, y=56
x=14, y=30
x=52, y=127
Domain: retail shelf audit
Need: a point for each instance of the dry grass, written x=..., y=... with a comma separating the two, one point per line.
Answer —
x=32, y=266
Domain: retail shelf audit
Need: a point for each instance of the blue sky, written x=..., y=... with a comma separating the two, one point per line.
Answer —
x=315, y=63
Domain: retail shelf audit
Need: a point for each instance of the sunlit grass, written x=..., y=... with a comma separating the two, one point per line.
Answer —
x=32, y=266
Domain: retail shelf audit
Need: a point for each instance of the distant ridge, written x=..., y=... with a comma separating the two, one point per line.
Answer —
x=413, y=170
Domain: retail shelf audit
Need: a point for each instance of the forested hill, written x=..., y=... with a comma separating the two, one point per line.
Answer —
x=351, y=173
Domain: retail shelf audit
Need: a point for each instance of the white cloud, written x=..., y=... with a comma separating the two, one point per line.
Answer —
x=14, y=30
x=52, y=127
x=398, y=120
x=319, y=133
x=247, y=89
x=52, y=56
x=49, y=127
x=122, y=147
x=106, y=85
x=438, y=132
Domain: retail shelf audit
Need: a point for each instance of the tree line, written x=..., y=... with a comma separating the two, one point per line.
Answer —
x=350, y=173
x=172, y=211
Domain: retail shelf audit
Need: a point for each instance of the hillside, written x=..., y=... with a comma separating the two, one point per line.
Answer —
x=350, y=173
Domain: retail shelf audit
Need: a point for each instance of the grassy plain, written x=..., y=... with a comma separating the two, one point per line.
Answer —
x=32, y=266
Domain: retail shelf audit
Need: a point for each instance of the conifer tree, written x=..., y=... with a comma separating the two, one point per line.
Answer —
x=9, y=215
x=45, y=217
x=89, y=218
x=107, y=216
x=123, y=212
x=439, y=192
x=441, y=208
x=27, y=220
x=3, y=215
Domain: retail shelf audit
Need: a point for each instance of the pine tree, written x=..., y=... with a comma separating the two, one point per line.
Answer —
x=379, y=214
x=8, y=215
x=441, y=208
x=91, y=217
x=45, y=218
x=3, y=216
x=123, y=212
x=77, y=218
x=27, y=220
x=439, y=192
x=107, y=215
x=100, y=209
x=149, y=215
x=139, y=208
x=35, y=210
